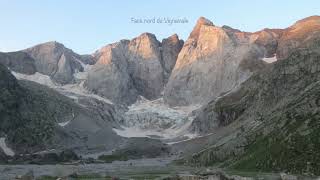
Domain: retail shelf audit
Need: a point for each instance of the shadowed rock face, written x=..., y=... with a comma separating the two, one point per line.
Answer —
x=19, y=62
x=171, y=47
x=55, y=60
x=127, y=69
x=208, y=64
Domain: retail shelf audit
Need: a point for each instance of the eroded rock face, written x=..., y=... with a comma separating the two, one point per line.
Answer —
x=208, y=64
x=55, y=60
x=127, y=69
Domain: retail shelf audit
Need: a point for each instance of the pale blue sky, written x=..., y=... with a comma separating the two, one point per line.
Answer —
x=85, y=26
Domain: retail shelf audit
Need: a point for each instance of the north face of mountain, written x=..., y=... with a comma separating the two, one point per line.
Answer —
x=127, y=69
x=267, y=39
x=209, y=64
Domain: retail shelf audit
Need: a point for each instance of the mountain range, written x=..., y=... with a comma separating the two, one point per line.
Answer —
x=224, y=97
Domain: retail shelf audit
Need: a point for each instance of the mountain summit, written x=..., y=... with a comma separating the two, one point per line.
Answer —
x=196, y=30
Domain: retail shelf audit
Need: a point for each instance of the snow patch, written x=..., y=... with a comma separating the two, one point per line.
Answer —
x=77, y=89
x=5, y=148
x=37, y=77
x=63, y=124
x=270, y=60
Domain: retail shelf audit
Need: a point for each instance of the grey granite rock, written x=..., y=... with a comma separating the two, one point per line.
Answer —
x=144, y=65
x=47, y=61
x=171, y=47
x=109, y=77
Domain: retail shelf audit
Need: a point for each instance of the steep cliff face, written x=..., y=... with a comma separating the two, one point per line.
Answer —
x=145, y=68
x=109, y=77
x=127, y=69
x=55, y=60
x=273, y=118
x=208, y=64
x=170, y=48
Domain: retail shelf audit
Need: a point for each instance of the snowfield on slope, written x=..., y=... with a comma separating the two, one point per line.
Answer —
x=77, y=89
x=5, y=148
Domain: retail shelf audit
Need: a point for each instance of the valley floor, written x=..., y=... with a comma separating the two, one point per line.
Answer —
x=146, y=168
x=135, y=169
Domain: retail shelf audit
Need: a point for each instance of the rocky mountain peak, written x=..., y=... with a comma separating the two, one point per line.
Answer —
x=146, y=46
x=50, y=46
x=230, y=29
x=173, y=38
x=47, y=58
x=308, y=20
x=209, y=64
x=147, y=35
x=53, y=44
x=298, y=35
x=146, y=38
x=196, y=30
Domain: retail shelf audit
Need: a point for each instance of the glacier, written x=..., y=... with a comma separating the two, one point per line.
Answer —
x=155, y=119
